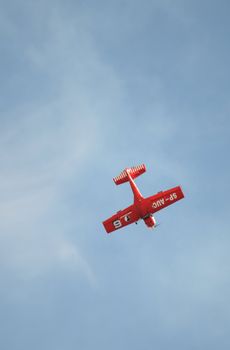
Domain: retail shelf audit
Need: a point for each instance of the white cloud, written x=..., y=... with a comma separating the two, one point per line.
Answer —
x=45, y=143
x=34, y=174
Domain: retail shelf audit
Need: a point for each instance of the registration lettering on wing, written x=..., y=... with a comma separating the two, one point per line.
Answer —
x=158, y=203
x=162, y=201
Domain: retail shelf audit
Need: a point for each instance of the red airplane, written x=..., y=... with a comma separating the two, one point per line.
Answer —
x=142, y=208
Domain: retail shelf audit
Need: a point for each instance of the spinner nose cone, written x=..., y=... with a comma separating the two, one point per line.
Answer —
x=150, y=221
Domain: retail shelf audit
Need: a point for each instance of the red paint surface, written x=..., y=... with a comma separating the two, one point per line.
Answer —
x=142, y=208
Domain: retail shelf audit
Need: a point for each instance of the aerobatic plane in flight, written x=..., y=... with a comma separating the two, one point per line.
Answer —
x=142, y=208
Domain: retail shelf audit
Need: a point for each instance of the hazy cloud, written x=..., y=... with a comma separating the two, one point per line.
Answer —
x=86, y=90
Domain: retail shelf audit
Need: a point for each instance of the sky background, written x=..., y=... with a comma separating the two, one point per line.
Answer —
x=88, y=88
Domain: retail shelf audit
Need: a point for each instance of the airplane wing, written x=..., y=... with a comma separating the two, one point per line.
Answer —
x=122, y=218
x=164, y=199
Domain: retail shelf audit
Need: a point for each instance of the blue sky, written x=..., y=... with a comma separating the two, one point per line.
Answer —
x=88, y=88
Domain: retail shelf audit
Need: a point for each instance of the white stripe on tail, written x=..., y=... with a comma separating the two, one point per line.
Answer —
x=134, y=171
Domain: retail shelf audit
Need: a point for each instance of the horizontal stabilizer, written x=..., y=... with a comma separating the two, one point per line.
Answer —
x=134, y=172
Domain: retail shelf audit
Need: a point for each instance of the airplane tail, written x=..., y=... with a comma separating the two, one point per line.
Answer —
x=134, y=172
